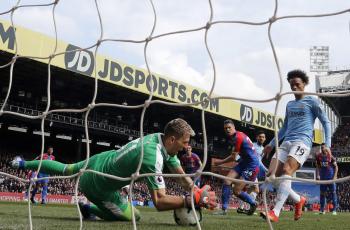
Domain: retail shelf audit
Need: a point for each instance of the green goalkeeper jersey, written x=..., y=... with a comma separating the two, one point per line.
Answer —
x=124, y=162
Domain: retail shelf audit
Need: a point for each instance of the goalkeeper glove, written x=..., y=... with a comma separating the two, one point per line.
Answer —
x=203, y=197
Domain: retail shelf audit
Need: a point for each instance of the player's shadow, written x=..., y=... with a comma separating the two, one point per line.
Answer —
x=66, y=218
x=11, y=214
x=160, y=225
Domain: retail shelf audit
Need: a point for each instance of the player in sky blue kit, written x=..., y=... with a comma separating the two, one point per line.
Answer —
x=247, y=167
x=297, y=135
x=327, y=169
x=254, y=190
x=259, y=147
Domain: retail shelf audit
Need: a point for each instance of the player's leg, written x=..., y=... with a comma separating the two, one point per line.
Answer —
x=285, y=186
x=323, y=188
x=43, y=183
x=243, y=195
x=51, y=167
x=279, y=163
x=44, y=191
x=226, y=191
x=33, y=192
x=333, y=195
x=114, y=208
x=26, y=195
x=297, y=155
x=254, y=193
x=249, y=173
x=243, y=206
x=285, y=189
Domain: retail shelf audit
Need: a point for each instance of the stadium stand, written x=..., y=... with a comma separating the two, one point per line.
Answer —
x=113, y=127
x=141, y=194
x=341, y=141
x=344, y=192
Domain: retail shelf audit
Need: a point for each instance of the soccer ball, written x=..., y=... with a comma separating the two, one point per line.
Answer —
x=185, y=216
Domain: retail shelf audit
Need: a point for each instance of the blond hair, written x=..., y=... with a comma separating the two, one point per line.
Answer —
x=178, y=128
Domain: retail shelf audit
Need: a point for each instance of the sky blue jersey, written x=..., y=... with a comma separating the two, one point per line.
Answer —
x=299, y=122
x=258, y=149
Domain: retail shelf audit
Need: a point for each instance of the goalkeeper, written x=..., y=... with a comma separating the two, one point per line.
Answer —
x=159, y=150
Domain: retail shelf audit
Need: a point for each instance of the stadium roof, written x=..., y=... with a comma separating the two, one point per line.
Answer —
x=336, y=82
x=123, y=76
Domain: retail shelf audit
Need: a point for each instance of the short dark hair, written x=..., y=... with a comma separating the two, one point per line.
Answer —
x=297, y=73
x=178, y=127
x=259, y=132
x=229, y=121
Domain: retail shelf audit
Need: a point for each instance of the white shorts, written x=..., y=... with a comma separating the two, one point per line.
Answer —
x=298, y=150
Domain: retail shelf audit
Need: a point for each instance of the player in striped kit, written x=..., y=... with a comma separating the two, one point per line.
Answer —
x=105, y=193
x=254, y=189
x=247, y=167
x=31, y=174
x=191, y=163
x=42, y=183
x=327, y=169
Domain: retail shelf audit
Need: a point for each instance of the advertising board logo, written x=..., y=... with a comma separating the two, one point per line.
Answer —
x=81, y=61
x=246, y=114
x=7, y=35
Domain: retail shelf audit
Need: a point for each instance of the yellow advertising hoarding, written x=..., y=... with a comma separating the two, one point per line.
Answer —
x=33, y=44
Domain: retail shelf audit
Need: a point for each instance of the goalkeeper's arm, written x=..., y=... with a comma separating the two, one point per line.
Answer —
x=186, y=182
x=202, y=198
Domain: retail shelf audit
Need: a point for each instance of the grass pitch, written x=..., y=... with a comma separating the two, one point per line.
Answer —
x=50, y=216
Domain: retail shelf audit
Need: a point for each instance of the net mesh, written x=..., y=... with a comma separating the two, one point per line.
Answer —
x=146, y=41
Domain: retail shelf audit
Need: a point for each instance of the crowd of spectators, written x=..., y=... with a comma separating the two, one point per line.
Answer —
x=140, y=191
x=341, y=141
x=7, y=184
x=343, y=190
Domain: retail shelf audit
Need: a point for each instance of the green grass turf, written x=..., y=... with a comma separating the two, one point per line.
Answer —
x=15, y=216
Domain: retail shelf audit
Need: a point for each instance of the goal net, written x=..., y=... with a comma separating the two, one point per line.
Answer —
x=85, y=59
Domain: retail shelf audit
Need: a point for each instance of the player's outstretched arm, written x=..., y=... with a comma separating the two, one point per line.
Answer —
x=230, y=158
x=202, y=198
x=164, y=202
x=186, y=182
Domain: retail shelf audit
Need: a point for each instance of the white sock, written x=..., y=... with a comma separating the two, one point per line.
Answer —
x=282, y=194
x=253, y=195
x=294, y=196
x=241, y=204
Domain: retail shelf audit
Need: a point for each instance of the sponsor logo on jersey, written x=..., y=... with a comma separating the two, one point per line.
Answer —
x=296, y=113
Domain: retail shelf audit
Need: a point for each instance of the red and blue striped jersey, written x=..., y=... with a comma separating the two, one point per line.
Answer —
x=46, y=157
x=190, y=164
x=325, y=164
x=242, y=144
